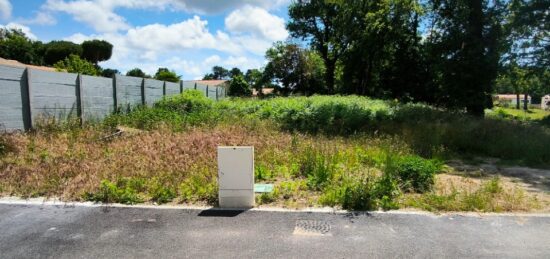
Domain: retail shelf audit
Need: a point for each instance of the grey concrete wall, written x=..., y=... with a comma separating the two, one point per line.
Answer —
x=188, y=85
x=153, y=91
x=12, y=84
x=52, y=95
x=27, y=95
x=172, y=88
x=128, y=91
x=97, y=97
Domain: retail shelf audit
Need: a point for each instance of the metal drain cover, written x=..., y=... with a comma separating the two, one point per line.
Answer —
x=312, y=228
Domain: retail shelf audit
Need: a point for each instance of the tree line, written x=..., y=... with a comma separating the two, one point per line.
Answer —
x=68, y=56
x=450, y=53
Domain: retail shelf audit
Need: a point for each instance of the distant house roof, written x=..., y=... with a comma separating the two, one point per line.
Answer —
x=15, y=63
x=265, y=91
x=210, y=82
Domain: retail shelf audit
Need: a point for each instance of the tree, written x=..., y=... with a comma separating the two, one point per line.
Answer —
x=253, y=78
x=164, y=74
x=529, y=23
x=218, y=73
x=235, y=72
x=96, y=50
x=14, y=44
x=239, y=87
x=108, y=72
x=136, y=72
x=296, y=69
x=59, y=50
x=383, y=56
x=74, y=64
x=464, y=51
x=318, y=22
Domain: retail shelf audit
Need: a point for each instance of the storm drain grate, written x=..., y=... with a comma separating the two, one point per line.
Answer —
x=312, y=227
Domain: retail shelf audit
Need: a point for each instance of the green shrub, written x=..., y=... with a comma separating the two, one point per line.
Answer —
x=124, y=191
x=198, y=187
x=160, y=193
x=318, y=167
x=187, y=102
x=146, y=118
x=416, y=173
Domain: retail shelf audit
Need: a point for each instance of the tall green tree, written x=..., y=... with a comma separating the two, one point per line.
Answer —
x=164, y=74
x=319, y=22
x=239, y=87
x=56, y=51
x=384, y=57
x=529, y=22
x=254, y=78
x=96, y=50
x=14, y=44
x=464, y=51
x=218, y=73
x=295, y=69
x=136, y=72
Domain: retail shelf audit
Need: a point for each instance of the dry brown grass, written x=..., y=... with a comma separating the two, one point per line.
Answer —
x=69, y=164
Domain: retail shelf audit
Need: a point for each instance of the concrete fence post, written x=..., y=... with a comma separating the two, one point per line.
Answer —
x=181, y=86
x=26, y=98
x=164, y=88
x=206, y=90
x=217, y=93
x=115, y=101
x=143, y=91
x=195, y=86
x=78, y=90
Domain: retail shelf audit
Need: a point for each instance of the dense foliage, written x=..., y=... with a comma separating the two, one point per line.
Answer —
x=74, y=64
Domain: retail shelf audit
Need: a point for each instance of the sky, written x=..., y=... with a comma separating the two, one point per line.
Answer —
x=188, y=36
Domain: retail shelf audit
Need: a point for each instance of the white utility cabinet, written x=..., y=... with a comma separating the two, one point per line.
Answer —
x=236, y=177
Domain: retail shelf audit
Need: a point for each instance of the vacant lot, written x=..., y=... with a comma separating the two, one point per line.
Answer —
x=347, y=152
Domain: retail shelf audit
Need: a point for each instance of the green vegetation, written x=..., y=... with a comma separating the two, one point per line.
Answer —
x=491, y=196
x=521, y=115
x=349, y=152
x=74, y=64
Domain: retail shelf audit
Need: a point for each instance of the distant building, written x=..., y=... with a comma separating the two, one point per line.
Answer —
x=545, y=102
x=511, y=99
x=265, y=91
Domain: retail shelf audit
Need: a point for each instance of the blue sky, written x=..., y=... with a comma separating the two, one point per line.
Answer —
x=188, y=36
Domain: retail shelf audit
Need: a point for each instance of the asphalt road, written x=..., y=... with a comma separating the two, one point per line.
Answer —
x=31, y=231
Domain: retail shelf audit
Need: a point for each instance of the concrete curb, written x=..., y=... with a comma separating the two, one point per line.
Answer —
x=59, y=203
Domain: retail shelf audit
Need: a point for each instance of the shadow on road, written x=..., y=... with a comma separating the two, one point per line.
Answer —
x=217, y=212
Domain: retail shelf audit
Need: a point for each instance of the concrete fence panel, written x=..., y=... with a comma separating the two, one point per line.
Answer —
x=12, y=98
x=53, y=95
x=172, y=88
x=128, y=91
x=188, y=85
x=97, y=97
x=153, y=91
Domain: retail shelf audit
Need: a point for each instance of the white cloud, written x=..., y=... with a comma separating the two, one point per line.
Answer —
x=258, y=22
x=248, y=32
x=100, y=17
x=41, y=18
x=217, y=6
x=21, y=27
x=190, y=34
x=5, y=9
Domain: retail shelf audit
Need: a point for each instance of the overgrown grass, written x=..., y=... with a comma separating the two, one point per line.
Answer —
x=489, y=196
x=350, y=152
